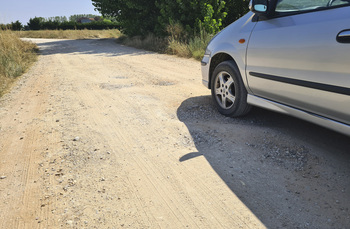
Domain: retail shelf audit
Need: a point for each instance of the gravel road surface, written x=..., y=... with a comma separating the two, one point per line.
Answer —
x=99, y=135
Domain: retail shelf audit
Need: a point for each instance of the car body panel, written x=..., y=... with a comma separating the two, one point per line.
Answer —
x=229, y=44
x=303, y=47
x=310, y=117
x=292, y=64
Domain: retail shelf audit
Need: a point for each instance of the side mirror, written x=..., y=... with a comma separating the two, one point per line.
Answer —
x=259, y=6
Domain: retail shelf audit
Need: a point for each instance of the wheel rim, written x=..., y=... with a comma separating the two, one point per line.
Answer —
x=225, y=90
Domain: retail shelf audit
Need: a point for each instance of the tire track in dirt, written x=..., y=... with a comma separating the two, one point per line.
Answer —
x=132, y=104
x=115, y=137
x=20, y=134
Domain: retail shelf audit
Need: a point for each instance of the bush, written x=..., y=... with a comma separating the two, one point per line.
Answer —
x=141, y=17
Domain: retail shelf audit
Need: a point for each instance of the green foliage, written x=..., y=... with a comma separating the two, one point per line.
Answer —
x=136, y=17
x=57, y=23
x=213, y=16
x=74, y=18
x=14, y=26
x=198, y=44
x=235, y=9
x=35, y=23
x=189, y=47
x=141, y=17
x=192, y=14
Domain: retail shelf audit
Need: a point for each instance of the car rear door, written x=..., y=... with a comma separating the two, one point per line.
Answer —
x=303, y=60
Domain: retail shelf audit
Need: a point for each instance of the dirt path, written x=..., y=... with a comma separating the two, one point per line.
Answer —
x=97, y=135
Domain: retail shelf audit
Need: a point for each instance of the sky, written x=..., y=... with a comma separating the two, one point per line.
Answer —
x=23, y=10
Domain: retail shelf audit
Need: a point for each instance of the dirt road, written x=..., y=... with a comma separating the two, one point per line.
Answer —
x=97, y=135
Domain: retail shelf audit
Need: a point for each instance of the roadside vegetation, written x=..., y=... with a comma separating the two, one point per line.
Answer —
x=75, y=22
x=176, y=43
x=16, y=56
x=70, y=34
x=181, y=27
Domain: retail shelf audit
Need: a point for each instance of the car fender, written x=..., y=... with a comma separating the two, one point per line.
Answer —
x=231, y=44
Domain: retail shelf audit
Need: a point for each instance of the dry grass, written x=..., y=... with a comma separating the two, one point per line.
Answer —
x=178, y=48
x=16, y=56
x=71, y=34
x=174, y=44
x=150, y=43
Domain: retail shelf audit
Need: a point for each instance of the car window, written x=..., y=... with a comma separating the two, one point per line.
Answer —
x=290, y=6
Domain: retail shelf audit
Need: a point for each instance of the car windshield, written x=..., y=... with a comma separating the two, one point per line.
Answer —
x=303, y=5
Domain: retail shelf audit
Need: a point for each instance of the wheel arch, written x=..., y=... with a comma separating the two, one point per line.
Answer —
x=216, y=60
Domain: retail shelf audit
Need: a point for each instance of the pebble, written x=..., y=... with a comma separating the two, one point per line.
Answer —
x=70, y=222
x=76, y=139
x=2, y=177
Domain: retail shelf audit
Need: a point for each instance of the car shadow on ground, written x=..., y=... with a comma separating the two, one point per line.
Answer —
x=288, y=172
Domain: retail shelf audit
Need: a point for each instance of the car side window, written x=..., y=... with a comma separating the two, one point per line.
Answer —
x=291, y=6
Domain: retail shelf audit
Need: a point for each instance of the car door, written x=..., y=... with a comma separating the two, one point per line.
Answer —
x=301, y=58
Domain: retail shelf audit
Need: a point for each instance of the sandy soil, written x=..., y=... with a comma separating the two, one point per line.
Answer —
x=98, y=135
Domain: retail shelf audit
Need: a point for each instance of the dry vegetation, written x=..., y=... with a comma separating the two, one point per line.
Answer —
x=71, y=34
x=16, y=56
x=178, y=43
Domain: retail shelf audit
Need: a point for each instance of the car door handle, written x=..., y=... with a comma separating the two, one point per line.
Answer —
x=344, y=36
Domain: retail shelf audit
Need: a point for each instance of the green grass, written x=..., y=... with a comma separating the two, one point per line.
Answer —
x=16, y=56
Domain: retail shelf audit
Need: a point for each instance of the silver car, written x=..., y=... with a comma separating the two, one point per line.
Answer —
x=285, y=55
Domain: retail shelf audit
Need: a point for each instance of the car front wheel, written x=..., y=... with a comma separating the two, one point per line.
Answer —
x=228, y=90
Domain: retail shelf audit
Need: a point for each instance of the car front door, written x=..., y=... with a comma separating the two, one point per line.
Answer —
x=301, y=57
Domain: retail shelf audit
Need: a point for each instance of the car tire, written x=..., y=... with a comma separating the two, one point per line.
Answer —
x=228, y=91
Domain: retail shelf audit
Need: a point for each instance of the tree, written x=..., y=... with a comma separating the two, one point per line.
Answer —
x=36, y=23
x=74, y=18
x=136, y=17
x=16, y=26
x=140, y=17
